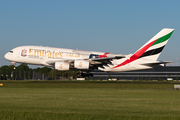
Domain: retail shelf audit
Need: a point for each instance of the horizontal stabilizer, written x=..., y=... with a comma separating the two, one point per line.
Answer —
x=156, y=63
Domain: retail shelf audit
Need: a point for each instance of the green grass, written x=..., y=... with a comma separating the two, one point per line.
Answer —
x=71, y=100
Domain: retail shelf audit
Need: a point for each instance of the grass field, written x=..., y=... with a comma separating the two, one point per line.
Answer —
x=88, y=100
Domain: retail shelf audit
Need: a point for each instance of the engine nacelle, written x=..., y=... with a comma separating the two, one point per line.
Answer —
x=61, y=66
x=81, y=64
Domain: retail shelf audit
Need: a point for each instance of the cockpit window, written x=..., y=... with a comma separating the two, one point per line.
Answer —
x=11, y=51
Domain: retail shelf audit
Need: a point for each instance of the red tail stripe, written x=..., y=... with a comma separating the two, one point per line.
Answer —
x=136, y=55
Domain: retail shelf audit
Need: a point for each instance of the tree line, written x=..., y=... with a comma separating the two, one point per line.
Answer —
x=23, y=72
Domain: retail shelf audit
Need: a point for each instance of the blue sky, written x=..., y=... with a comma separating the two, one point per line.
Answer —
x=116, y=26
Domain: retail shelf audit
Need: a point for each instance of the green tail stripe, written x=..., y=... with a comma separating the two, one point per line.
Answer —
x=164, y=38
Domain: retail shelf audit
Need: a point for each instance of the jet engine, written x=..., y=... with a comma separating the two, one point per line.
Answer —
x=62, y=66
x=81, y=64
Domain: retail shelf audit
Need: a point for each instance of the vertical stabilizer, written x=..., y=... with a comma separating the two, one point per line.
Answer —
x=152, y=49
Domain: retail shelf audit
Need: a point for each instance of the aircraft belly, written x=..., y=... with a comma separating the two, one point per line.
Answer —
x=127, y=67
x=28, y=60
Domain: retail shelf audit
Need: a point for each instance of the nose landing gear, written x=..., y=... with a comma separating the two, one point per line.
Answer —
x=14, y=63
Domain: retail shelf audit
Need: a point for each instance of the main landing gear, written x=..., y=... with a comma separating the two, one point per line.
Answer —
x=81, y=74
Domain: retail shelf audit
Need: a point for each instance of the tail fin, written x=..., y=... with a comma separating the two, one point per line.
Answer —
x=153, y=48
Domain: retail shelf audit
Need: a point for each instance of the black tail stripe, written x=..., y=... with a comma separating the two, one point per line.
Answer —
x=152, y=52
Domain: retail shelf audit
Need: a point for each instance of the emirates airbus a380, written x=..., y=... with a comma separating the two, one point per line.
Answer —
x=66, y=59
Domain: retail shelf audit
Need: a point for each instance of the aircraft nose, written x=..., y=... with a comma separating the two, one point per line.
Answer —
x=6, y=56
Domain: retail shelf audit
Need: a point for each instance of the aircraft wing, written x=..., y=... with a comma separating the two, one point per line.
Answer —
x=105, y=59
x=94, y=62
x=100, y=62
x=51, y=63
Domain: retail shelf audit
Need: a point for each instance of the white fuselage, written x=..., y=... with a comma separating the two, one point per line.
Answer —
x=39, y=55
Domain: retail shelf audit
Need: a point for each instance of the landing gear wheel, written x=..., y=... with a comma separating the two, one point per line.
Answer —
x=84, y=75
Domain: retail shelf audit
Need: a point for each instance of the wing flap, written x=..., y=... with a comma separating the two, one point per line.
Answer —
x=107, y=58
